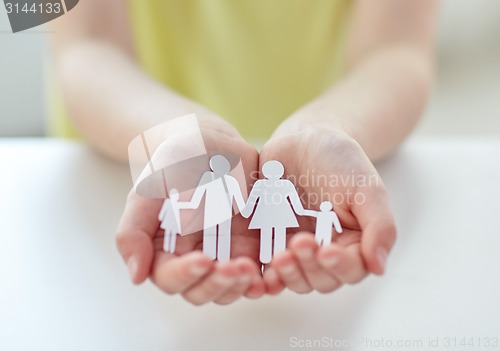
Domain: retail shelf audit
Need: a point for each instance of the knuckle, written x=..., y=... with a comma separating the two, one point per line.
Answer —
x=121, y=239
x=386, y=233
x=393, y=233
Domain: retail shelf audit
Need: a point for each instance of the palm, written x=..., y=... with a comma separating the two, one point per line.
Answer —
x=244, y=242
x=187, y=271
x=327, y=165
x=325, y=169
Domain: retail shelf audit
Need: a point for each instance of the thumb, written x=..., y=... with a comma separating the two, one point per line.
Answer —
x=134, y=238
x=378, y=230
x=137, y=250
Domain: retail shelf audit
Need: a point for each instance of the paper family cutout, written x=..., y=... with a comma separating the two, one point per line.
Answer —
x=273, y=201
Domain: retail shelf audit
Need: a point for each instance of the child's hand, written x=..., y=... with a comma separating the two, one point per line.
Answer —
x=337, y=170
x=188, y=271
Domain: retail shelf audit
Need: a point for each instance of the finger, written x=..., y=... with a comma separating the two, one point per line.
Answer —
x=378, y=227
x=174, y=274
x=304, y=247
x=272, y=281
x=137, y=226
x=289, y=272
x=247, y=271
x=345, y=263
x=214, y=285
x=257, y=285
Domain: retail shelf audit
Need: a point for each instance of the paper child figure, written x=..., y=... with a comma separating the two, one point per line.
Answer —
x=169, y=218
x=220, y=190
x=325, y=219
x=276, y=197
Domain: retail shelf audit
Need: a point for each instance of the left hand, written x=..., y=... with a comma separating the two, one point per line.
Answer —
x=327, y=164
x=188, y=271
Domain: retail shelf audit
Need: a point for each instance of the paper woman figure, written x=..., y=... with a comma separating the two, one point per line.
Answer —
x=169, y=218
x=271, y=198
x=325, y=220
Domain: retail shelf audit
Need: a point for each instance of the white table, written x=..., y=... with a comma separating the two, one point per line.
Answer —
x=64, y=287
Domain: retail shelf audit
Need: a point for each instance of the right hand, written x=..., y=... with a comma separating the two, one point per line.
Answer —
x=188, y=271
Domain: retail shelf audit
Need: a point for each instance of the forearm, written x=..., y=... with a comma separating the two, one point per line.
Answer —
x=377, y=102
x=111, y=100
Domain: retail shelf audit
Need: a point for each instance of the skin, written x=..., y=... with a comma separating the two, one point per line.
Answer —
x=358, y=121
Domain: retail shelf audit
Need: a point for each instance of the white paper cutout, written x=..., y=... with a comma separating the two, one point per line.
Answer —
x=220, y=191
x=325, y=220
x=275, y=201
x=164, y=146
x=169, y=220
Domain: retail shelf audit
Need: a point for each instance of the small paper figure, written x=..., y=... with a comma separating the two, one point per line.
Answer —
x=169, y=218
x=325, y=219
x=273, y=199
x=220, y=190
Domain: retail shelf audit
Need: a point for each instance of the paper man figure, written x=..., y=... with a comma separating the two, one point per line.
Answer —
x=220, y=190
x=325, y=219
x=169, y=218
x=273, y=210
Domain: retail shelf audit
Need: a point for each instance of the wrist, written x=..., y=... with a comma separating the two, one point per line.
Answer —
x=305, y=121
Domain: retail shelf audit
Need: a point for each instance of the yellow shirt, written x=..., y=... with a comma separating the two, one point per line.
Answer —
x=253, y=62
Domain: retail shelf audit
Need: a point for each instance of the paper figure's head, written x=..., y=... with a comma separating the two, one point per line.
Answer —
x=220, y=165
x=273, y=169
x=326, y=206
x=173, y=194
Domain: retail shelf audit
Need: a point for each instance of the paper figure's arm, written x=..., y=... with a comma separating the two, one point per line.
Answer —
x=252, y=200
x=198, y=193
x=310, y=213
x=295, y=200
x=235, y=191
x=161, y=214
x=185, y=205
x=336, y=222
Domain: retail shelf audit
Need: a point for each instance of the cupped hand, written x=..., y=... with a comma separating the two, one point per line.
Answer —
x=188, y=271
x=326, y=164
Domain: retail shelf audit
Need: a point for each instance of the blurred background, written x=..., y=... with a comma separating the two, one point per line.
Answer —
x=466, y=98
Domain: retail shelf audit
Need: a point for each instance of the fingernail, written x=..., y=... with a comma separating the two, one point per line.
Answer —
x=331, y=261
x=244, y=279
x=222, y=280
x=289, y=268
x=198, y=270
x=382, y=257
x=271, y=275
x=133, y=266
x=305, y=254
x=256, y=279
